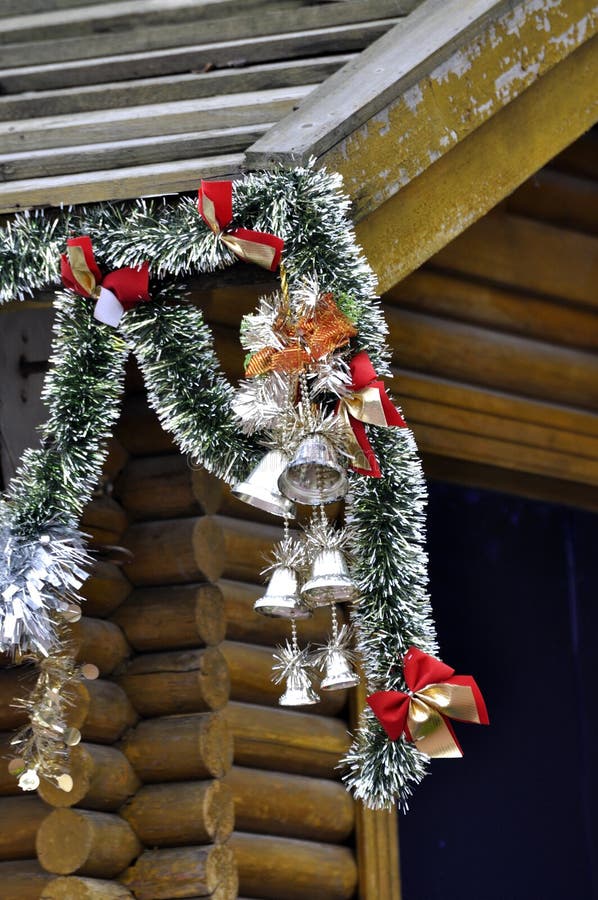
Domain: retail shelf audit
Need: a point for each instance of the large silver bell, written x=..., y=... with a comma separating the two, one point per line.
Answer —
x=299, y=690
x=261, y=487
x=282, y=596
x=330, y=580
x=314, y=475
x=338, y=673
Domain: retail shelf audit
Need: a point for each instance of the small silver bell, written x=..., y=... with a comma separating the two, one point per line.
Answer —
x=299, y=690
x=330, y=580
x=282, y=596
x=314, y=475
x=338, y=673
x=261, y=487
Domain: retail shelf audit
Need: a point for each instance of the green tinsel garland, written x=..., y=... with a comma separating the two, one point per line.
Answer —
x=174, y=349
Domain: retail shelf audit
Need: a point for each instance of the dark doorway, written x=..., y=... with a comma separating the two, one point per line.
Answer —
x=514, y=584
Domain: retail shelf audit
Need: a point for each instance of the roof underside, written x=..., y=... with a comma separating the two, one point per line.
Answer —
x=140, y=97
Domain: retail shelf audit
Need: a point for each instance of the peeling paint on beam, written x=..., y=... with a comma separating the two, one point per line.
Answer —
x=458, y=96
x=482, y=169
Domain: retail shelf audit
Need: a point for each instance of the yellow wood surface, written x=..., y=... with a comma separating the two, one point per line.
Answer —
x=479, y=171
x=440, y=107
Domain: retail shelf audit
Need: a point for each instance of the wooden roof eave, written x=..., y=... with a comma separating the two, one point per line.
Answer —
x=443, y=117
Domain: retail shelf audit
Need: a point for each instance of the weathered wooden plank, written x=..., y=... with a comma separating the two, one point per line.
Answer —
x=206, y=113
x=169, y=88
x=187, y=58
x=146, y=24
x=529, y=255
x=481, y=170
x=479, y=356
x=503, y=309
x=71, y=159
x=59, y=18
x=407, y=100
x=116, y=184
x=568, y=201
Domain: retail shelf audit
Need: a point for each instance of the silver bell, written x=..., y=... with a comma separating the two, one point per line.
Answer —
x=261, y=487
x=299, y=690
x=330, y=580
x=314, y=475
x=338, y=673
x=282, y=596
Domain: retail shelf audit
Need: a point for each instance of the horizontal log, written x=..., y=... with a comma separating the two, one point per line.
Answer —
x=180, y=748
x=250, y=670
x=560, y=199
x=139, y=430
x=495, y=478
x=105, y=589
x=104, y=520
x=164, y=618
x=20, y=818
x=290, y=805
x=279, y=868
x=79, y=842
x=184, y=872
x=166, y=486
x=501, y=361
x=115, y=461
x=160, y=684
x=500, y=308
x=72, y=887
x=286, y=740
x=182, y=813
x=243, y=624
x=9, y=786
x=109, y=712
x=23, y=879
x=528, y=255
x=99, y=642
x=103, y=779
x=523, y=410
x=175, y=551
x=247, y=547
x=15, y=682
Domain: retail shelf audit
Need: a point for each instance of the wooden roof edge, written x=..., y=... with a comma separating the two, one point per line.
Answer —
x=416, y=93
x=382, y=72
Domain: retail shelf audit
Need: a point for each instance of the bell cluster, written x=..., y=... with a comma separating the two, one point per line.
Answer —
x=316, y=574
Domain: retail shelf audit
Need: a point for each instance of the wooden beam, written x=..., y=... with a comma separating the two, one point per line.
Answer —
x=482, y=169
x=569, y=201
x=417, y=92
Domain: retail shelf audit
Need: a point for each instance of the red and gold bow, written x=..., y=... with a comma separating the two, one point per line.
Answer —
x=215, y=205
x=435, y=693
x=369, y=403
x=116, y=292
x=308, y=340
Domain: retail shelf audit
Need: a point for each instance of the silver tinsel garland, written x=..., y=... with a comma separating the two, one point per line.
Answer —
x=193, y=400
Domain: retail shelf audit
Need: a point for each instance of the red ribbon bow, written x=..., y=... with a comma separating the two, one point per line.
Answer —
x=123, y=288
x=215, y=205
x=435, y=693
x=369, y=403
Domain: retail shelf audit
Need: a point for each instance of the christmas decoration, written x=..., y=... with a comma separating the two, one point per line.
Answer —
x=116, y=293
x=435, y=695
x=325, y=314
